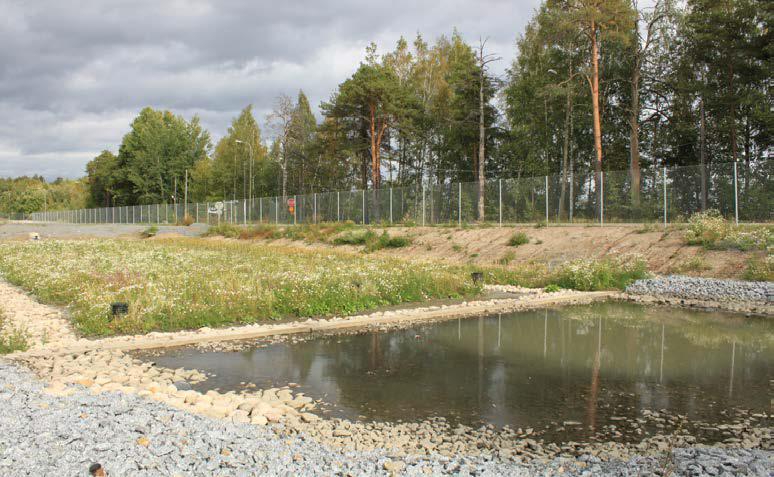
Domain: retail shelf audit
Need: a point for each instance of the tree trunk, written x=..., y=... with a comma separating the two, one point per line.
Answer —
x=595, y=111
x=481, y=142
x=703, y=152
x=634, y=136
x=565, y=155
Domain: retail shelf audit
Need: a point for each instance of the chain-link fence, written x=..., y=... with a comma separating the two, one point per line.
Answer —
x=740, y=191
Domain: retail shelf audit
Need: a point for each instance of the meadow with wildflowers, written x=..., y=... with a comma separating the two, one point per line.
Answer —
x=175, y=284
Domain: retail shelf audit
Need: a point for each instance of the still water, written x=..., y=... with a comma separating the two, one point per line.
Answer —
x=528, y=369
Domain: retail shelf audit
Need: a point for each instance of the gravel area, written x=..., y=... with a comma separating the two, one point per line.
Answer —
x=21, y=230
x=695, y=288
x=127, y=435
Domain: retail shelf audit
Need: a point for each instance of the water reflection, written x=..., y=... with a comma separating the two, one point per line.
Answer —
x=529, y=369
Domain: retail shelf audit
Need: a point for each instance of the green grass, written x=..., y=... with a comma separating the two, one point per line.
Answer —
x=11, y=339
x=150, y=231
x=173, y=284
x=519, y=238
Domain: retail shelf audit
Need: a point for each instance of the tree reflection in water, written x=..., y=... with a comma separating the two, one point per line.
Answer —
x=527, y=369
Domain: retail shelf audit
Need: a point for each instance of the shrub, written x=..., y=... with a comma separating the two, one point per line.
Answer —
x=606, y=274
x=150, y=231
x=760, y=270
x=706, y=228
x=710, y=230
x=552, y=288
x=519, y=238
x=541, y=224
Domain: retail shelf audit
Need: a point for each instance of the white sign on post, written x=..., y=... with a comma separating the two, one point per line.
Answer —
x=216, y=209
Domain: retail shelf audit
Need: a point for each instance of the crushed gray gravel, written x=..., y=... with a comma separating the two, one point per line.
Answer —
x=695, y=288
x=127, y=435
x=21, y=230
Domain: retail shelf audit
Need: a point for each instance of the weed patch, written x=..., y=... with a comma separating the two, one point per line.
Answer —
x=710, y=230
x=519, y=238
x=760, y=270
x=11, y=339
x=614, y=273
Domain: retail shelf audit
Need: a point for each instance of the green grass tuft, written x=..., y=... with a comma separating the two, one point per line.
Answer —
x=519, y=238
x=12, y=339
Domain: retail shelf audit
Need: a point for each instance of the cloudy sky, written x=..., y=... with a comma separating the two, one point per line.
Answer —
x=74, y=74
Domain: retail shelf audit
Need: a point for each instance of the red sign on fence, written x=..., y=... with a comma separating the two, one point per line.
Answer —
x=291, y=202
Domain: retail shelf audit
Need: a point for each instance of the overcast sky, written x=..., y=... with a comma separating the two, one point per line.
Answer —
x=73, y=75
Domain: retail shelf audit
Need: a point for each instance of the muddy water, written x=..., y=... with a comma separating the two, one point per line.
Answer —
x=580, y=368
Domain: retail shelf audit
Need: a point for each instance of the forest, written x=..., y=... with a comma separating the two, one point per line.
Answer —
x=595, y=85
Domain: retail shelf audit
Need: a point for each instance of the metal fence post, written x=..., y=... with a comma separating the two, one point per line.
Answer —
x=665, y=196
x=736, y=196
x=459, y=205
x=391, y=205
x=363, y=220
x=314, y=212
x=500, y=207
x=423, y=205
x=546, y=199
x=276, y=210
x=602, y=198
x=338, y=201
x=571, y=197
x=260, y=209
x=295, y=209
x=244, y=211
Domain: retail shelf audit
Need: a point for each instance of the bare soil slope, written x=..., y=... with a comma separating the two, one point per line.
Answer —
x=665, y=251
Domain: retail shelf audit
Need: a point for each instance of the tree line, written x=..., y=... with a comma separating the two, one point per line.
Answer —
x=595, y=85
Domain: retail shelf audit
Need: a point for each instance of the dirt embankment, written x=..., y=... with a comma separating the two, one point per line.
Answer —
x=664, y=250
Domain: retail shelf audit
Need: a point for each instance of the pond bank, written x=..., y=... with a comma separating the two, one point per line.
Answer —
x=127, y=434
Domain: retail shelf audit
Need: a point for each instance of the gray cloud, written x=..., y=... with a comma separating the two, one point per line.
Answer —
x=74, y=74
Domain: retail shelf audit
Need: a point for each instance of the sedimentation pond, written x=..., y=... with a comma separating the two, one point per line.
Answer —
x=566, y=372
